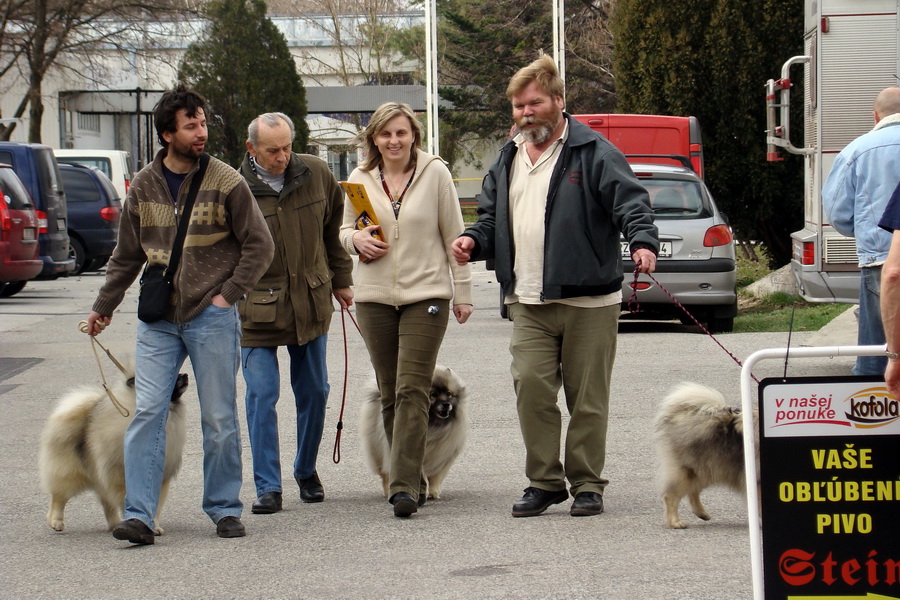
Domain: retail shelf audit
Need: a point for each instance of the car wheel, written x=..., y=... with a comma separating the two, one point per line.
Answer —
x=12, y=288
x=720, y=324
x=92, y=264
x=76, y=251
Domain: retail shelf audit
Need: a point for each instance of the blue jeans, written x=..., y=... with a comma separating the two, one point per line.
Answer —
x=309, y=382
x=871, y=329
x=211, y=340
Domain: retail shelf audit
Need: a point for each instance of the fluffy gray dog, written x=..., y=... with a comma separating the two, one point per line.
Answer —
x=448, y=424
x=700, y=442
x=83, y=448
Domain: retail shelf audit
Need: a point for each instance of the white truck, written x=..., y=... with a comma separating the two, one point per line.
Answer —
x=850, y=54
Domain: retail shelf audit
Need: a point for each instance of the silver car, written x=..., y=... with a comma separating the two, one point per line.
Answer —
x=696, y=262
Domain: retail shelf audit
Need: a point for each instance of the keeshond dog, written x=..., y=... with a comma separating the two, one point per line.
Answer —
x=82, y=448
x=448, y=424
x=700, y=443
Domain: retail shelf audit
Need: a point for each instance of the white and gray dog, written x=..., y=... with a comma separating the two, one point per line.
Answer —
x=83, y=448
x=448, y=424
x=700, y=442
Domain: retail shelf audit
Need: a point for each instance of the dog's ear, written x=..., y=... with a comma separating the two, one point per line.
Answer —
x=181, y=385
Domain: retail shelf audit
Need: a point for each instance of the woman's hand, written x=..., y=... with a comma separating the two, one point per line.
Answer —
x=369, y=247
x=462, y=312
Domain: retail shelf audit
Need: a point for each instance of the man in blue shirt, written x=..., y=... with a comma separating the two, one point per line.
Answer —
x=854, y=196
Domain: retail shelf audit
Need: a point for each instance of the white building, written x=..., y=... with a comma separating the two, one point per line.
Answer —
x=105, y=100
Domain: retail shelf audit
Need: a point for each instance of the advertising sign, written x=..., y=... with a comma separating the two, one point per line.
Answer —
x=829, y=471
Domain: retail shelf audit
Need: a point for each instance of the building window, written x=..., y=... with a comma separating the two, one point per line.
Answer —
x=342, y=160
x=89, y=123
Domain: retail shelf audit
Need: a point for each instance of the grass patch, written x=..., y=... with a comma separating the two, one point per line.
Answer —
x=470, y=215
x=775, y=312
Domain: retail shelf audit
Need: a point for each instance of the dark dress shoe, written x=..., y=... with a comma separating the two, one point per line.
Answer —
x=311, y=489
x=535, y=501
x=230, y=527
x=404, y=504
x=268, y=503
x=587, y=504
x=134, y=531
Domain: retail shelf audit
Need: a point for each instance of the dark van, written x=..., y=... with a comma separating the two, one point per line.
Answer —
x=37, y=168
x=94, y=211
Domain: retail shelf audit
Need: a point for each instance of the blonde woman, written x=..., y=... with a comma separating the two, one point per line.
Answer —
x=407, y=285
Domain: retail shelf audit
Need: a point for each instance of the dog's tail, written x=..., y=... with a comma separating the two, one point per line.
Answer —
x=691, y=397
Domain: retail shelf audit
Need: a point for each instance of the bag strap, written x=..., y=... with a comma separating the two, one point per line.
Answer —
x=186, y=210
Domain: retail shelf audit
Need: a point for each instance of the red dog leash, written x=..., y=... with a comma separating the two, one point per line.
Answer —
x=634, y=306
x=336, y=454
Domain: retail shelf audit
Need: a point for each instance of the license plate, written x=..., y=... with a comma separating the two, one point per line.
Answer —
x=665, y=250
x=61, y=224
x=28, y=234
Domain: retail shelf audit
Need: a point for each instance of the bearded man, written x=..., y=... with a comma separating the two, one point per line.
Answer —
x=550, y=213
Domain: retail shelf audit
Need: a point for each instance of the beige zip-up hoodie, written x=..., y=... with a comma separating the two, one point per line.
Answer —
x=419, y=264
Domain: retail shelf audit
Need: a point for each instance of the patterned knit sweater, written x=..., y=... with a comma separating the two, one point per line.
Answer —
x=227, y=248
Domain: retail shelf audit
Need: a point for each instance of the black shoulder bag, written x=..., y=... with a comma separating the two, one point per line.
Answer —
x=155, y=296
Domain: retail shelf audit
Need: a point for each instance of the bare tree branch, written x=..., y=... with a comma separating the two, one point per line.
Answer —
x=36, y=34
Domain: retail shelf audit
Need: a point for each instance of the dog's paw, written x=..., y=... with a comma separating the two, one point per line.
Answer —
x=57, y=524
x=677, y=523
x=159, y=530
x=703, y=515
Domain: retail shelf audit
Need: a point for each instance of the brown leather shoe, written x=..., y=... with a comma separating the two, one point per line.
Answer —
x=230, y=527
x=134, y=531
x=268, y=503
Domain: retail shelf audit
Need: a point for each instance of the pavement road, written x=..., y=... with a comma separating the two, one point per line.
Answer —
x=465, y=545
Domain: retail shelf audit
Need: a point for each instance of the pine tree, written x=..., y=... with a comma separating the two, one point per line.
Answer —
x=244, y=68
x=711, y=59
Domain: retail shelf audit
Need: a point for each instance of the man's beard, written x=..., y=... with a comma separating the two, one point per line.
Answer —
x=541, y=132
x=187, y=151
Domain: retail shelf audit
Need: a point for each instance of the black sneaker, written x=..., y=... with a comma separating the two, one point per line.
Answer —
x=587, y=504
x=134, y=531
x=535, y=501
x=230, y=527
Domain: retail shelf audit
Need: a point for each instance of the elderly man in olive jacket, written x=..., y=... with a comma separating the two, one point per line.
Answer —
x=291, y=305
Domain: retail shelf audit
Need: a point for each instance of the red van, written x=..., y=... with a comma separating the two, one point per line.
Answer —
x=20, y=259
x=655, y=139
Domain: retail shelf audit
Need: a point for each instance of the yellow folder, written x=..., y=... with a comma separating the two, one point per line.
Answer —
x=366, y=216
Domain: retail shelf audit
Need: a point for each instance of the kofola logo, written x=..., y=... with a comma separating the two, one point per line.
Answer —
x=872, y=407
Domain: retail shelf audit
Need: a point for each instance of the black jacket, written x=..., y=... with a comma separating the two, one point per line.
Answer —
x=593, y=196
